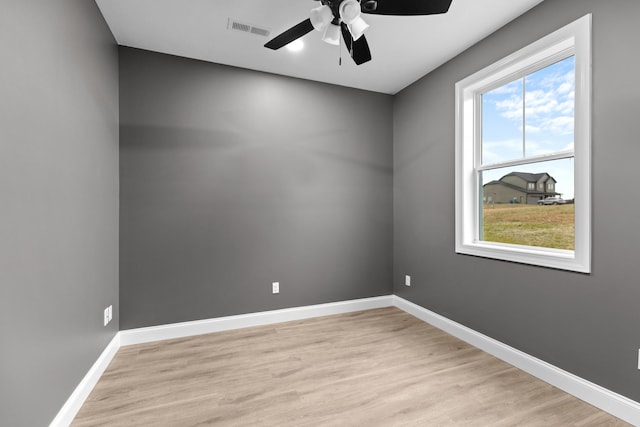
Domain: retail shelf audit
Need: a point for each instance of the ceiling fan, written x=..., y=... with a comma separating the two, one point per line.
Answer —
x=343, y=16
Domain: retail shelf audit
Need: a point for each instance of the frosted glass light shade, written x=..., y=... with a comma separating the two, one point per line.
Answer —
x=332, y=35
x=321, y=17
x=357, y=28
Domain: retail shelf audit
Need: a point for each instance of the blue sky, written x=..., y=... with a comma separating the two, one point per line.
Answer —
x=545, y=127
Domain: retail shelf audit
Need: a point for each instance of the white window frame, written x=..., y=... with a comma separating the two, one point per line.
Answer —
x=573, y=39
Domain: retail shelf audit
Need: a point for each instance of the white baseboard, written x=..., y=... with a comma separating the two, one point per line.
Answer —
x=607, y=400
x=613, y=403
x=207, y=326
x=82, y=391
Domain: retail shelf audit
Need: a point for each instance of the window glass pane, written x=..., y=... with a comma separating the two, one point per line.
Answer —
x=549, y=108
x=512, y=212
x=502, y=123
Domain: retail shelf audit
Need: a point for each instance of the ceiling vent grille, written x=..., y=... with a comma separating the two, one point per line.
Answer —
x=232, y=24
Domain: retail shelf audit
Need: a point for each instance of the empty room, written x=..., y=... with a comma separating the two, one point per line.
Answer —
x=319, y=213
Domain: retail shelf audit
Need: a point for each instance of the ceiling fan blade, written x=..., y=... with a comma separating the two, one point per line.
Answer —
x=358, y=49
x=405, y=7
x=290, y=35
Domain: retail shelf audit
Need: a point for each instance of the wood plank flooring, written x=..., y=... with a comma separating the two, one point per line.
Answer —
x=379, y=367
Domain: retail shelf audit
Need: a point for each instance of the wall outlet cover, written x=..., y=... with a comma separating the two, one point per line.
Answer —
x=407, y=280
x=275, y=287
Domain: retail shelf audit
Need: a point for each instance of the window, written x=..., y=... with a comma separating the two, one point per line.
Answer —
x=521, y=122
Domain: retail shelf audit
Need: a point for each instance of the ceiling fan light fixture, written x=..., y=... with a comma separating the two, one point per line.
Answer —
x=321, y=17
x=341, y=19
x=332, y=35
x=357, y=28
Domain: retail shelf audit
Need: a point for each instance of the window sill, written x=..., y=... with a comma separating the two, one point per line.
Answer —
x=543, y=257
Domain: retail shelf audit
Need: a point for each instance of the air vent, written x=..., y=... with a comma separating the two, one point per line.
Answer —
x=232, y=24
x=260, y=31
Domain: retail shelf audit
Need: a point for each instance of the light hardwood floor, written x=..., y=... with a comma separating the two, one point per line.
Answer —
x=378, y=367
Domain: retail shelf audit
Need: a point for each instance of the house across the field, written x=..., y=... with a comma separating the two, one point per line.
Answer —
x=520, y=187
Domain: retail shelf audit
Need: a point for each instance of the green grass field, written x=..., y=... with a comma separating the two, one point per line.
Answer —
x=532, y=225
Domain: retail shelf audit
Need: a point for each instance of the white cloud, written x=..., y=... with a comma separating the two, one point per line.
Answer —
x=548, y=101
x=560, y=125
x=532, y=129
x=498, y=151
x=565, y=87
x=511, y=108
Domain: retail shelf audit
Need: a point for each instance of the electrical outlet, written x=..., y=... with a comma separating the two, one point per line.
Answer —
x=275, y=287
x=108, y=315
x=407, y=280
x=639, y=359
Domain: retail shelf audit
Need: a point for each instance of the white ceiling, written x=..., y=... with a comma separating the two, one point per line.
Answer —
x=403, y=48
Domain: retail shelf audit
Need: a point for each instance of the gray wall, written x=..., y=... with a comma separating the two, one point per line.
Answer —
x=58, y=202
x=231, y=179
x=585, y=324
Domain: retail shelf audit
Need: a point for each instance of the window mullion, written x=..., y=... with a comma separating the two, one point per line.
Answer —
x=534, y=159
x=524, y=123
